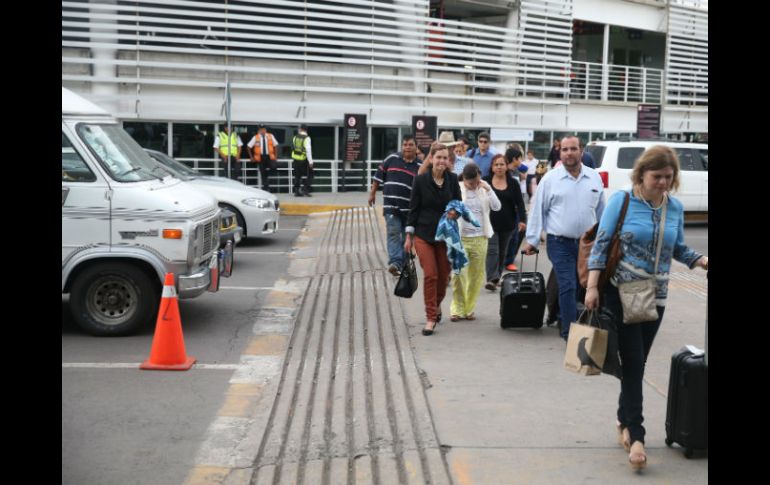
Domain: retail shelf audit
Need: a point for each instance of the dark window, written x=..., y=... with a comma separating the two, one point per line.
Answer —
x=149, y=135
x=627, y=156
x=73, y=167
x=689, y=160
x=384, y=142
x=704, y=158
x=322, y=141
x=597, y=151
x=541, y=145
x=192, y=140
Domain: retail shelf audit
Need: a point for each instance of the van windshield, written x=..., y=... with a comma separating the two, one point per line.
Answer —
x=118, y=153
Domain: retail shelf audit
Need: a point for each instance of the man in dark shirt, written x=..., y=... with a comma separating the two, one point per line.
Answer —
x=396, y=175
x=586, y=157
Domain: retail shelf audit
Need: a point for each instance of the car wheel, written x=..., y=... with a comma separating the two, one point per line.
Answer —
x=238, y=216
x=111, y=299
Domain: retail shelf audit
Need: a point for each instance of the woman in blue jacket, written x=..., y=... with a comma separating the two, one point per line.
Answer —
x=655, y=173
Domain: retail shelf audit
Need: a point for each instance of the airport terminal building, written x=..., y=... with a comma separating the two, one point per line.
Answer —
x=526, y=69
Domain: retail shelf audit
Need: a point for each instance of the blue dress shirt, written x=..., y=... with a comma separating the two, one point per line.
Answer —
x=564, y=205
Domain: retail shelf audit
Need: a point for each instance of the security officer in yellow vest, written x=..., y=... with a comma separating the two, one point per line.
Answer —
x=225, y=144
x=263, y=151
x=302, y=155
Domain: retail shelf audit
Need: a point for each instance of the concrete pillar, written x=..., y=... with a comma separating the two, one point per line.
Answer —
x=412, y=27
x=104, y=93
x=506, y=113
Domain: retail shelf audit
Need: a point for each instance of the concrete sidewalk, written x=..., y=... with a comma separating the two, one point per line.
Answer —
x=508, y=411
x=364, y=397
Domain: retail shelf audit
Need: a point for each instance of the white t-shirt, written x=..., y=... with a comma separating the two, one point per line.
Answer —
x=531, y=165
x=253, y=141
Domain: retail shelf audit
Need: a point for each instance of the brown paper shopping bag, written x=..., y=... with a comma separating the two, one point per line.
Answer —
x=586, y=347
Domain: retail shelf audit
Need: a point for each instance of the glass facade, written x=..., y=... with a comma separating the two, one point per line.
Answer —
x=148, y=134
x=193, y=140
x=541, y=144
x=384, y=141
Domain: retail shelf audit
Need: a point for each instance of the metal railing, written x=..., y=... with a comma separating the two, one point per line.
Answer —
x=623, y=83
x=328, y=175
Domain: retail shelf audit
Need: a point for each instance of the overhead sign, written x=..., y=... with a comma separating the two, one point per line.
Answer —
x=355, y=138
x=648, y=121
x=425, y=129
x=506, y=134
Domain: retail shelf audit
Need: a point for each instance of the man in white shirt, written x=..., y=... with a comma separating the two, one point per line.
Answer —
x=265, y=154
x=570, y=199
x=531, y=164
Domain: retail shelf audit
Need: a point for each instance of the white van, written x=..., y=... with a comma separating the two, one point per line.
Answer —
x=125, y=224
x=615, y=160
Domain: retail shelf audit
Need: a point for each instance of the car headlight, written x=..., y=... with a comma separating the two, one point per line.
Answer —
x=259, y=203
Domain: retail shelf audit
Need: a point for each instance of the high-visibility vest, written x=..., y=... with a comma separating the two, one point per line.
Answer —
x=298, y=151
x=270, y=147
x=226, y=147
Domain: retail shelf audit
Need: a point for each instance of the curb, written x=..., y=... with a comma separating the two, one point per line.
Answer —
x=290, y=209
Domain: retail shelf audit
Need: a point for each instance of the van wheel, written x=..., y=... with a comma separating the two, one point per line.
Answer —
x=113, y=299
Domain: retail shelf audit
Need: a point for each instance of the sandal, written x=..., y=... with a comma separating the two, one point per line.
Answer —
x=455, y=318
x=470, y=316
x=637, y=457
x=624, y=437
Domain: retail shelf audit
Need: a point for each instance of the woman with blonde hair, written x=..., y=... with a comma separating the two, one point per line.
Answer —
x=650, y=210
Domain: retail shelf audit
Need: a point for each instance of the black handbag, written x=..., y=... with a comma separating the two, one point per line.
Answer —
x=407, y=281
x=612, y=363
x=605, y=319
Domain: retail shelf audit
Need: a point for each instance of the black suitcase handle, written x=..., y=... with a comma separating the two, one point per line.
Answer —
x=521, y=266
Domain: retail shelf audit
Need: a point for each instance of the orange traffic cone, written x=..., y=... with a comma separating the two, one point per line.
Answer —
x=168, y=343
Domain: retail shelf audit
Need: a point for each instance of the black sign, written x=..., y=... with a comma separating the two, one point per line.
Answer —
x=425, y=129
x=355, y=138
x=648, y=121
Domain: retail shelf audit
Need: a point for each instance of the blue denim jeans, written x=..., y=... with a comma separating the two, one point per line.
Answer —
x=563, y=253
x=395, y=225
x=634, y=343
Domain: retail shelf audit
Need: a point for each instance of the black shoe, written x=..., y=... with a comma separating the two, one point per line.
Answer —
x=297, y=194
x=307, y=194
x=438, y=318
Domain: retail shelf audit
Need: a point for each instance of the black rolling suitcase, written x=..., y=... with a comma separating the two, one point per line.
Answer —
x=522, y=298
x=687, y=412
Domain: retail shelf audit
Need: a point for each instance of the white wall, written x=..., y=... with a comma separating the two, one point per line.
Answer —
x=624, y=14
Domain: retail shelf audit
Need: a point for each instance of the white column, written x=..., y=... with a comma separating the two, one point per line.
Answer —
x=605, y=62
x=104, y=93
x=505, y=108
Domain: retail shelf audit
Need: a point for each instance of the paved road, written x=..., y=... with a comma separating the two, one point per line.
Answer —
x=122, y=425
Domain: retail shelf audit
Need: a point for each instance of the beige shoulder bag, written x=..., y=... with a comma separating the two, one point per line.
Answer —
x=638, y=297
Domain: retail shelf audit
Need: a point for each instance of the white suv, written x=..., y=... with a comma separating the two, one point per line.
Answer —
x=615, y=159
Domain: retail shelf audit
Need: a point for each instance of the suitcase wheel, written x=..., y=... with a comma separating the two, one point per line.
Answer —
x=688, y=453
x=669, y=442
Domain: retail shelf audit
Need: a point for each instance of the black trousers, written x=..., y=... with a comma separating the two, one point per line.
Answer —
x=235, y=170
x=266, y=168
x=634, y=343
x=302, y=170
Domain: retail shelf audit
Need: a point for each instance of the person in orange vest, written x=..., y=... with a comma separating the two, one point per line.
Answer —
x=265, y=154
